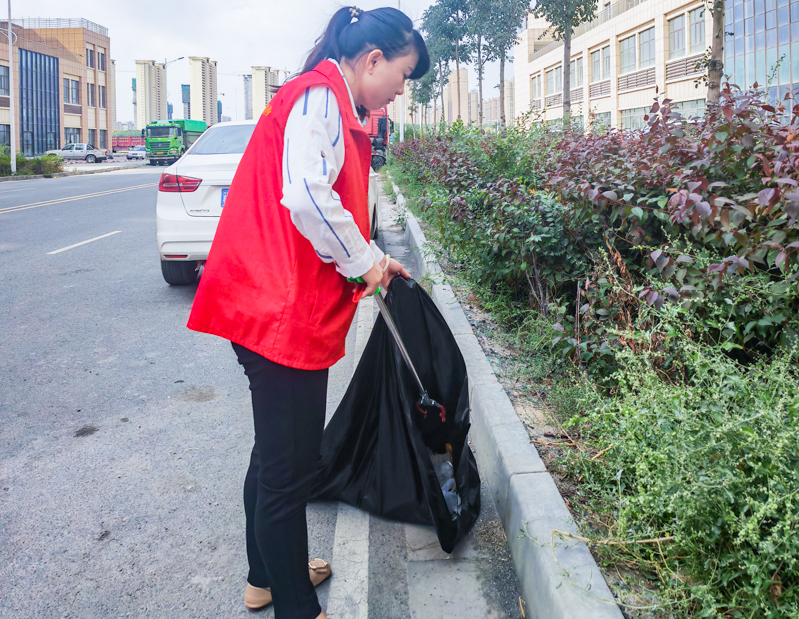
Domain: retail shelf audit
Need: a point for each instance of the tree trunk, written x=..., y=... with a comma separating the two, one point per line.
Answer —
x=567, y=78
x=441, y=89
x=502, y=90
x=716, y=65
x=458, y=77
x=480, y=81
x=435, y=113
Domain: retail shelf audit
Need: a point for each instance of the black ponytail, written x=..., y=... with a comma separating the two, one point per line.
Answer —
x=352, y=33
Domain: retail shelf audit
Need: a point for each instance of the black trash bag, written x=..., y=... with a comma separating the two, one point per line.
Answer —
x=376, y=450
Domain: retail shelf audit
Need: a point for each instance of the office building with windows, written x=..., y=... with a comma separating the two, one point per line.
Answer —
x=265, y=83
x=150, y=88
x=632, y=52
x=63, y=84
x=202, y=90
x=247, y=97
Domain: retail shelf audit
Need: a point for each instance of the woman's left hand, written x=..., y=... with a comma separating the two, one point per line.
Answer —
x=392, y=268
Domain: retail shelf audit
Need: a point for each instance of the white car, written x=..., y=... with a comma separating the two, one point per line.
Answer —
x=137, y=152
x=191, y=195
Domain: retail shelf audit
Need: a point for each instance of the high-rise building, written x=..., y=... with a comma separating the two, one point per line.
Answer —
x=133, y=89
x=62, y=84
x=247, y=97
x=202, y=81
x=635, y=50
x=150, y=92
x=219, y=110
x=265, y=83
x=169, y=109
x=185, y=95
x=491, y=107
x=474, y=106
x=451, y=109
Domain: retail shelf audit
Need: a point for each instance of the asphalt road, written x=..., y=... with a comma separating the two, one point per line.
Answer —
x=124, y=438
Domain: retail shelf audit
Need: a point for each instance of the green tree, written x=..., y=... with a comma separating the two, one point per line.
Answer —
x=480, y=13
x=440, y=49
x=424, y=90
x=564, y=16
x=501, y=34
x=446, y=23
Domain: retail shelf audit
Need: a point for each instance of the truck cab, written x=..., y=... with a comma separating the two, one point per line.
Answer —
x=167, y=140
x=379, y=127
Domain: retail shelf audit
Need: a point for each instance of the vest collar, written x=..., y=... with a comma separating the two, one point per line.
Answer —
x=331, y=68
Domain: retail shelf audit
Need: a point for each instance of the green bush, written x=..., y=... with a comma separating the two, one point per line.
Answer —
x=712, y=462
x=46, y=164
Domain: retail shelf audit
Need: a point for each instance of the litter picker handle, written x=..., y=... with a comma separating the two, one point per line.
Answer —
x=359, y=280
x=381, y=304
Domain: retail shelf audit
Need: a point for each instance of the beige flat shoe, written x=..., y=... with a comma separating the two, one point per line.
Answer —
x=256, y=598
x=319, y=570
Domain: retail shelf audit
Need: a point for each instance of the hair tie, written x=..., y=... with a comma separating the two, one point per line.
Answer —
x=355, y=12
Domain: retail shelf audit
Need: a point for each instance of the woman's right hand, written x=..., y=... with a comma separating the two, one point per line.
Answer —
x=372, y=279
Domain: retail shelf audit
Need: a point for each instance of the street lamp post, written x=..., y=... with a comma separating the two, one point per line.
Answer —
x=166, y=86
x=11, y=92
x=402, y=98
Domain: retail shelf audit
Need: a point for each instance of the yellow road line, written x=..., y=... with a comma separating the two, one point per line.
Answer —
x=22, y=207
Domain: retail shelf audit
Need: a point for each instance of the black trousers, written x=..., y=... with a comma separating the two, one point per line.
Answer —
x=288, y=408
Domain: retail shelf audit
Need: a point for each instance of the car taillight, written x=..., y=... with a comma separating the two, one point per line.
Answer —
x=176, y=182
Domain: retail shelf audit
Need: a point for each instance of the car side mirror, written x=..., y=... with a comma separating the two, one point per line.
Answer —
x=142, y=132
x=391, y=126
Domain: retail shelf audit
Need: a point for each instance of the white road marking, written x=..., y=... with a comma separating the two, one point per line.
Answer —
x=97, y=238
x=15, y=190
x=349, y=597
x=22, y=207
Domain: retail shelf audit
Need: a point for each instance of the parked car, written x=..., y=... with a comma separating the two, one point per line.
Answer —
x=137, y=152
x=86, y=152
x=192, y=193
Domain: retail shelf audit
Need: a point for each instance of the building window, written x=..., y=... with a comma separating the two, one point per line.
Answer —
x=66, y=90
x=71, y=135
x=90, y=95
x=634, y=119
x=75, y=92
x=101, y=93
x=4, y=81
x=696, y=21
x=103, y=138
x=596, y=66
x=39, y=103
x=5, y=135
x=646, y=48
x=600, y=121
x=576, y=73
x=101, y=61
x=627, y=48
x=606, y=62
x=92, y=137
x=677, y=37
x=691, y=109
x=90, y=58
x=535, y=88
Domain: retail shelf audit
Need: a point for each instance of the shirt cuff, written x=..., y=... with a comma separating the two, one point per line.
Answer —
x=358, y=266
x=376, y=252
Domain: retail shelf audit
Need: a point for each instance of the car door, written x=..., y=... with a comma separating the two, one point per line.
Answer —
x=66, y=152
x=77, y=152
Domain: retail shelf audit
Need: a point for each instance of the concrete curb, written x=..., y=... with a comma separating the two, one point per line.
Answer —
x=559, y=578
x=30, y=177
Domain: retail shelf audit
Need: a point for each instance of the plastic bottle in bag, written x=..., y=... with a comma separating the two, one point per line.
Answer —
x=446, y=477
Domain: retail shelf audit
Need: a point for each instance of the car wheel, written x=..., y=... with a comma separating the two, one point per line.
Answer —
x=375, y=230
x=91, y=159
x=179, y=273
x=378, y=161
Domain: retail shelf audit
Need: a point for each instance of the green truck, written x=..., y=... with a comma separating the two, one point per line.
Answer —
x=167, y=140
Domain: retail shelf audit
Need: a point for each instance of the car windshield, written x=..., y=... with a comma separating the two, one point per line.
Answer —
x=223, y=140
x=139, y=148
x=160, y=132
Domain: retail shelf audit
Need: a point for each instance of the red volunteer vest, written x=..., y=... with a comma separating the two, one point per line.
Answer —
x=263, y=285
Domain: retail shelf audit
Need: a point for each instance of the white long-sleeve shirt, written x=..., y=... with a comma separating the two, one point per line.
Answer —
x=313, y=152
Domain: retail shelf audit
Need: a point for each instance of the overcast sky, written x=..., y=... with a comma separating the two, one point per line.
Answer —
x=236, y=33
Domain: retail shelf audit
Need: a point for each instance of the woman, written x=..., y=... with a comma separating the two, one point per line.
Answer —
x=294, y=228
